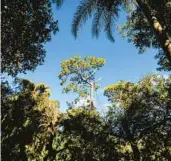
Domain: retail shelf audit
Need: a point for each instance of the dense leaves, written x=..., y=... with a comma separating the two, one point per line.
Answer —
x=85, y=137
x=137, y=124
x=78, y=73
x=136, y=127
x=145, y=116
x=26, y=27
x=29, y=121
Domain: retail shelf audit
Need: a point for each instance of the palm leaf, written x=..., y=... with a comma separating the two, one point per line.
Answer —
x=58, y=3
x=83, y=12
x=97, y=22
x=104, y=14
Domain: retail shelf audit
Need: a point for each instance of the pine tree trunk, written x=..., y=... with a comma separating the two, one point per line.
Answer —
x=158, y=29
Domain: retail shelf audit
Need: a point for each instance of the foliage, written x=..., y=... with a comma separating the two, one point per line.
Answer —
x=104, y=14
x=77, y=73
x=139, y=31
x=148, y=23
x=136, y=127
x=26, y=27
x=29, y=121
x=145, y=120
x=84, y=137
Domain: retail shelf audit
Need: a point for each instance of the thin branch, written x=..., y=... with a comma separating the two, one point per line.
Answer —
x=84, y=79
x=91, y=74
x=98, y=80
x=153, y=127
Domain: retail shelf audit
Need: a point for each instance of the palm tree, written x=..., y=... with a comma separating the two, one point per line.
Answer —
x=104, y=14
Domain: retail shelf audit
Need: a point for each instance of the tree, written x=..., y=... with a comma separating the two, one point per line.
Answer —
x=26, y=27
x=136, y=127
x=139, y=32
x=79, y=75
x=29, y=122
x=145, y=117
x=84, y=136
x=147, y=16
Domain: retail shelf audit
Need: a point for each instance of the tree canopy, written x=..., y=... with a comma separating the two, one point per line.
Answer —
x=78, y=74
x=148, y=23
x=137, y=123
x=145, y=116
x=26, y=27
x=29, y=121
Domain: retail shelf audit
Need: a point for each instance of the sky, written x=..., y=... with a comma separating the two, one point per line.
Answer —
x=123, y=60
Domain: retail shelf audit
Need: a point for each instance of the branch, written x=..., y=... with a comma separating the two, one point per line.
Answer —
x=91, y=74
x=98, y=80
x=151, y=128
x=84, y=79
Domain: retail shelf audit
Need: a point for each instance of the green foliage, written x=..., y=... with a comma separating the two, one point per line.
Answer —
x=144, y=123
x=85, y=137
x=77, y=73
x=140, y=29
x=136, y=127
x=29, y=121
x=104, y=15
x=26, y=27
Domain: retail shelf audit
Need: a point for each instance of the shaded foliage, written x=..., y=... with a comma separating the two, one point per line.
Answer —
x=29, y=121
x=85, y=137
x=140, y=33
x=26, y=27
x=136, y=127
x=104, y=15
x=145, y=122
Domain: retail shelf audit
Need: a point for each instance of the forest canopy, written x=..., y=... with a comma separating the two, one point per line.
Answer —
x=136, y=123
x=136, y=126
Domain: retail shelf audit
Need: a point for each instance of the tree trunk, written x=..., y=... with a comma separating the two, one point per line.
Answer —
x=136, y=151
x=160, y=32
x=130, y=138
x=22, y=154
x=92, y=96
x=51, y=152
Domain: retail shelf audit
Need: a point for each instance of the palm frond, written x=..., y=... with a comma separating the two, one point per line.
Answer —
x=105, y=13
x=110, y=18
x=108, y=27
x=83, y=12
x=58, y=3
x=97, y=22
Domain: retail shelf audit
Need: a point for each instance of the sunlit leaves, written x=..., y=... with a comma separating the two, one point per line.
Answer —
x=144, y=119
x=29, y=121
x=77, y=72
x=125, y=92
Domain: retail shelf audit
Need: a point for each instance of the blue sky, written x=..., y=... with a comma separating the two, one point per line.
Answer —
x=123, y=60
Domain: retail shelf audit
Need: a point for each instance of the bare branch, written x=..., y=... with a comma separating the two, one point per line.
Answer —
x=98, y=80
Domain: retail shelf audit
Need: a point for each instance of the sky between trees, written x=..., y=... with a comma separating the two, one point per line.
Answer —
x=123, y=62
